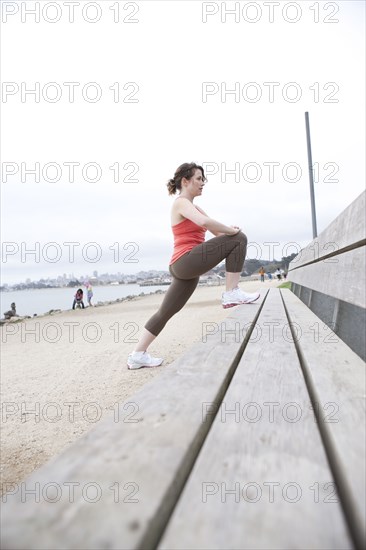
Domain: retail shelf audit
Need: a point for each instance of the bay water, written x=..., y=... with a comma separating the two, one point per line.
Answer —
x=39, y=301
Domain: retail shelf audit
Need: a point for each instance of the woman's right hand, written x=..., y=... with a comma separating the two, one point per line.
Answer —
x=235, y=229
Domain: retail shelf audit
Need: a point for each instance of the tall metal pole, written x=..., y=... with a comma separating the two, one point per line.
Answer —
x=311, y=177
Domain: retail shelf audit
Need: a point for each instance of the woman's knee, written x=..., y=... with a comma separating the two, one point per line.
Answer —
x=242, y=236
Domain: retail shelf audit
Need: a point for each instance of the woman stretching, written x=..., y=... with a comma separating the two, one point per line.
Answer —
x=192, y=257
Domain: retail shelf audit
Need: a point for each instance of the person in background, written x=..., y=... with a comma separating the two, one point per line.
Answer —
x=261, y=273
x=278, y=274
x=12, y=312
x=89, y=293
x=78, y=298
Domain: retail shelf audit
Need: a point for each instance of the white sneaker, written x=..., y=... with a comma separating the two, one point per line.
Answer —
x=139, y=359
x=236, y=297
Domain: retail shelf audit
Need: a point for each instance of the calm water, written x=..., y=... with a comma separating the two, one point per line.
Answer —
x=42, y=300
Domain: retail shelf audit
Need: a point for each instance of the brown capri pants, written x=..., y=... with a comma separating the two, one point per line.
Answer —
x=187, y=269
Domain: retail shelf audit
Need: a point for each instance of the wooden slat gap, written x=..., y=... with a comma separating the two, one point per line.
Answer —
x=152, y=540
x=346, y=502
x=347, y=248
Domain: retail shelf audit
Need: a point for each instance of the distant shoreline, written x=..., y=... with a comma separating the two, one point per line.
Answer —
x=130, y=297
x=72, y=287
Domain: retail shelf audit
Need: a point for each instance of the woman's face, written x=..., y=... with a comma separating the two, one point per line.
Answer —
x=196, y=183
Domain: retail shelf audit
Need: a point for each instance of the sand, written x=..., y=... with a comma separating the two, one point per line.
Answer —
x=64, y=372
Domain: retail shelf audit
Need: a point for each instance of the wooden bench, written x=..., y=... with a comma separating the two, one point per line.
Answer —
x=225, y=452
x=255, y=438
x=329, y=275
x=151, y=453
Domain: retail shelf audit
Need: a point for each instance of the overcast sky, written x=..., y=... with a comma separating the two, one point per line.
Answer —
x=161, y=71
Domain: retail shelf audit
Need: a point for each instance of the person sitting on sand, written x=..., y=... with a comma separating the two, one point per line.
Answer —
x=12, y=312
x=192, y=257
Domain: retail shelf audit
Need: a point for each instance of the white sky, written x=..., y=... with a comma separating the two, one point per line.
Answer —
x=169, y=53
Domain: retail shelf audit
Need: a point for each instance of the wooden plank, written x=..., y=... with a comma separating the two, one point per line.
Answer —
x=346, y=230
x=137, y=465
x=343, y=277
x=336, y=376
x=265, y=463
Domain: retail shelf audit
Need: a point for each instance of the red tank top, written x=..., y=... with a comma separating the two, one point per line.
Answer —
x=187, y=235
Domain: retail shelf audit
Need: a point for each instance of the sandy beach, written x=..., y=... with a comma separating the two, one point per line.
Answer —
x=62, y=373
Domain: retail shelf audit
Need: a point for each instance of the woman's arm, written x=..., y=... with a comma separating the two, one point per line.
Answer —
x=187, y=210
x=216, y=233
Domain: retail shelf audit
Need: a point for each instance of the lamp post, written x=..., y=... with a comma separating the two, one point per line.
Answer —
x=311, y=176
